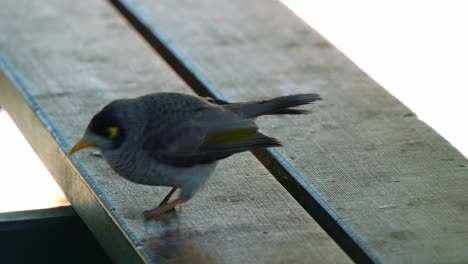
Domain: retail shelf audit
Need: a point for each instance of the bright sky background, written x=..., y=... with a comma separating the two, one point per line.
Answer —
x=417, y=50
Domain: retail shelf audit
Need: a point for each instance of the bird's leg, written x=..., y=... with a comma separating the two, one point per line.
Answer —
x=168, y=196
x=160, y=210
x=187, y=191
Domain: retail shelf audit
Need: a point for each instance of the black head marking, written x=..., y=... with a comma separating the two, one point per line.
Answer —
x=104, y=120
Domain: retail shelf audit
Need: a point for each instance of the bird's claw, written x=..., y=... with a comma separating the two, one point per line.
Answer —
x=163, y=209
x=158, y=214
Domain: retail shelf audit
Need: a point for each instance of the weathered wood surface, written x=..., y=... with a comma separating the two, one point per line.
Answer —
x=392, y=184
x=62, y=61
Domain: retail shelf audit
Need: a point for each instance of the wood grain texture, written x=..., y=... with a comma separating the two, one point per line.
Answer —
x=67, y=59
x=396, y=184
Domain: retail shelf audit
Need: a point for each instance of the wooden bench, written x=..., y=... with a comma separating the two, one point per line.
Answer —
x=379, y=185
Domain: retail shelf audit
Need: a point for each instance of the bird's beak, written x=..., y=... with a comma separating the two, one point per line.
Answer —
x=83, y=143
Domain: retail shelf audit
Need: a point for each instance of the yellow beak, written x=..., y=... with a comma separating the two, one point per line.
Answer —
x=83, y=143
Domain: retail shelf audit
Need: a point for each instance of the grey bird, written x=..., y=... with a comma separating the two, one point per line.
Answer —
x=176, y=140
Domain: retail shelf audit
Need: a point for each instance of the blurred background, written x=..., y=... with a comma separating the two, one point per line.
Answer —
x=417, y=50
x=25, y=183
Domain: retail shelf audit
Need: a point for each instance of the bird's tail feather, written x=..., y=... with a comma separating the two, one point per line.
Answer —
x=277, y=106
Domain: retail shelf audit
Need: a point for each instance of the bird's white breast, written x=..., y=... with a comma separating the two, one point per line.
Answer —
x=143, y=169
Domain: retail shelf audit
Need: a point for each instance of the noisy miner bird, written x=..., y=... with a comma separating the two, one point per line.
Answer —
x=176, y=140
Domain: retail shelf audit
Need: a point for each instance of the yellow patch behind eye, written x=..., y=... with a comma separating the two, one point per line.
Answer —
x=113, y=132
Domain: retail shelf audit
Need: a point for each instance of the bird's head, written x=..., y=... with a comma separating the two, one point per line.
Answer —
x=104, y=132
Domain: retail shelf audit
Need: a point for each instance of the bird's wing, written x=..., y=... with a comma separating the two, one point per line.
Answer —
x=204, y=136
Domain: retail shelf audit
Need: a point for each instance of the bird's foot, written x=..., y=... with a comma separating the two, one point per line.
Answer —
x=161, y=205
x=159, y=214
x=162, y=211
x=166, y=216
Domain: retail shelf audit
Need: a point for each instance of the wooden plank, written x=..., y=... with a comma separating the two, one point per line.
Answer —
x=67, y=59
x=388, y=188
x=49, y=144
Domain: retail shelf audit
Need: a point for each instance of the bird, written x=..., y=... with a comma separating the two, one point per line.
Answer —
x=176, y=140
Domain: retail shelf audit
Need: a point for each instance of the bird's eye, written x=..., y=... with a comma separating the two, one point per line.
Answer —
x=112, y=131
